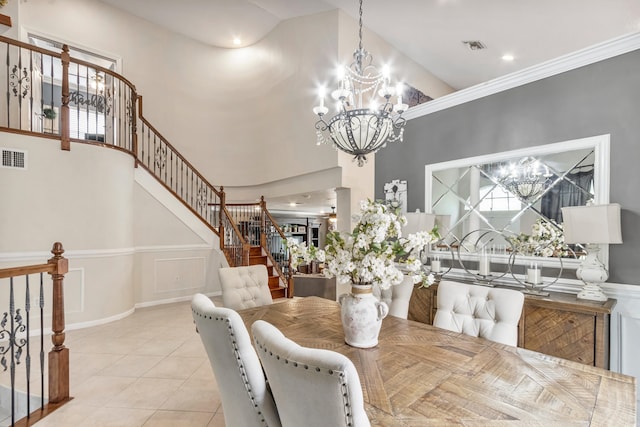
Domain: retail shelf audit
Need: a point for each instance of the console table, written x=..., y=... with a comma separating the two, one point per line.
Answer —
x=558, y=325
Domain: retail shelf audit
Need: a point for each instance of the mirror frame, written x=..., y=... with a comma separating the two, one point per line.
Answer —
x=601, y=179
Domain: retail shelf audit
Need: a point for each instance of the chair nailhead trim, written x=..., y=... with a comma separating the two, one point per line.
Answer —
x=239, y=359
x=341, y=375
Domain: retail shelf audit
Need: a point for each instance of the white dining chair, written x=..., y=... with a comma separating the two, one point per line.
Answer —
x=246, y=399
x=479, y=311
x=397, y=297
x=311, y=387
x=245, y=287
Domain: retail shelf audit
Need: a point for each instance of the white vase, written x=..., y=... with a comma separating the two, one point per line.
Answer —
x=362, y=315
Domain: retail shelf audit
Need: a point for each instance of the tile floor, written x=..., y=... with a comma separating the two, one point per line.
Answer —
x=149, y=369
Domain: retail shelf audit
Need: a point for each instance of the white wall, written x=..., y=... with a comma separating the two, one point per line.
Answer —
x=226, y=107
x=125, y=248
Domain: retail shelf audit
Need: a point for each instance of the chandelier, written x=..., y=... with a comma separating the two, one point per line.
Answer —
x=526, y=179
x=366, y=119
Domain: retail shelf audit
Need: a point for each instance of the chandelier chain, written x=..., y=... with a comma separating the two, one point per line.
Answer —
x=360, y=29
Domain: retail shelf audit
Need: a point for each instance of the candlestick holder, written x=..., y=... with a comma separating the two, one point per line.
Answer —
x=479, y=242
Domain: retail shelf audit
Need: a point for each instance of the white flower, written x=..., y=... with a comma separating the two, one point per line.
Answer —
x=369, y=253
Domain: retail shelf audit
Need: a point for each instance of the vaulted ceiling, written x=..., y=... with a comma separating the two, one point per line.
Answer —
x=431, y=32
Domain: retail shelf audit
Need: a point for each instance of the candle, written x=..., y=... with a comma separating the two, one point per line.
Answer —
x=484, y=268
x=435, y=266
x=534, y=275
x=399, y=90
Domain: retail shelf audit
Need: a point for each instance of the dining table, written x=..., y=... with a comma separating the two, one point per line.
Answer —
x=421, y=375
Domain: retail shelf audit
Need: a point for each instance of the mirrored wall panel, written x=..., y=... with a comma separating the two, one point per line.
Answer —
x=516, y=197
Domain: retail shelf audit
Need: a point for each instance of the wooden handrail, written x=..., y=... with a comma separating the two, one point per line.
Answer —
x=29, y=46
x=275, y=224
x=29, y=269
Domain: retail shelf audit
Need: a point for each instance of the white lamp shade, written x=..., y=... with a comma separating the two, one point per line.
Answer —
x=418, y=221
x=596, y=224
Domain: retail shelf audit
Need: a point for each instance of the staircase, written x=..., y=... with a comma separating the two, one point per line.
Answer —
x=257, y=257
x=119, y=105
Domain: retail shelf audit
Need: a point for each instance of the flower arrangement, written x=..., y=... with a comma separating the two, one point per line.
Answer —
x=546, y=240
x=373, y=253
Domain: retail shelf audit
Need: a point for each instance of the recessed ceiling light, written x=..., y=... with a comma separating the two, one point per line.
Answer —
x=508, y=58
x=237, y=41
x=292, y=204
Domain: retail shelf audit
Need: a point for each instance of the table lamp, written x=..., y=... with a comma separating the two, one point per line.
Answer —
x=592, y=225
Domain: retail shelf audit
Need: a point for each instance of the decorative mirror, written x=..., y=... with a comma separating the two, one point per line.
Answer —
x=519, y=195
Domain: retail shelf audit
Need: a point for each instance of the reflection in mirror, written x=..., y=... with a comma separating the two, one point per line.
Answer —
x=519, y=194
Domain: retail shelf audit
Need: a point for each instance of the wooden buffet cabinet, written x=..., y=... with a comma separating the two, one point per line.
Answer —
x=558, y=325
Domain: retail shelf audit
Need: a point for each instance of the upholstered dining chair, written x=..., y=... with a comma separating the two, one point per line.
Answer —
x=246, y=399
x=480, y=311
x=311, y=387
x=245, y=287
x=397, y=298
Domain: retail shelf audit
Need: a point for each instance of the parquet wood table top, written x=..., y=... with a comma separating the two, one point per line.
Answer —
x=419, y=375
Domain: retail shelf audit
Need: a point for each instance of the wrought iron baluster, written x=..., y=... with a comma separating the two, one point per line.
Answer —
x=12, y=346
x=27, y=360
x=165, y=169
x=41, y=301
x=154, y=153
x=31, y=93
x=8, y=97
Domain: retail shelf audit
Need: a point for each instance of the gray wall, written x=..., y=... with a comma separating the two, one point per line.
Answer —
x=597, y=99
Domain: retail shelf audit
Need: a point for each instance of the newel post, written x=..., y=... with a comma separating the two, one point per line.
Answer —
x=65, y=143
x=59, y=354
x=220, y=216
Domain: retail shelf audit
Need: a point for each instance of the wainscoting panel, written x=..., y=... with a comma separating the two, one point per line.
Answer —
x=625, y=330
x=176, y=274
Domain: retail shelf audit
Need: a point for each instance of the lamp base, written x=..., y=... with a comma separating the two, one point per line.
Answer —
x=592, y=272
x=592, y=292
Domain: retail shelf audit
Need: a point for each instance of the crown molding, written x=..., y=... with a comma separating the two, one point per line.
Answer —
x=577, y=59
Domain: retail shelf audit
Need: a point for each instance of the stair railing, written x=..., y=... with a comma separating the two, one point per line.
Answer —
x=51, y=94
x=273, y=240
x=232, y=242
x=177, y=174
x=16, y=332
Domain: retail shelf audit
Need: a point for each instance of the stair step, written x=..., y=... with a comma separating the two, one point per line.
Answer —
x=278, y=293
x=255, y=260
x=255, y=251
x=274, y=282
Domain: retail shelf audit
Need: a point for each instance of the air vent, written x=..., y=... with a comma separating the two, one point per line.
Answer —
x=474, y=45
x=12, y=158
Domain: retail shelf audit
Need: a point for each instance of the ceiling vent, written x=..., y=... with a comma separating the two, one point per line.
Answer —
x=11, y=158
x=474, y=45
